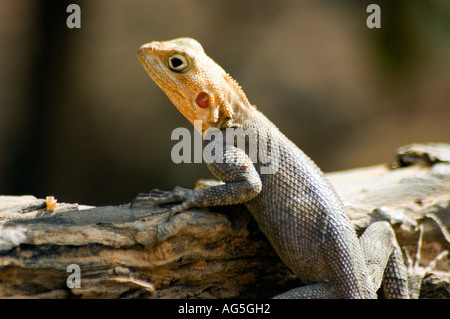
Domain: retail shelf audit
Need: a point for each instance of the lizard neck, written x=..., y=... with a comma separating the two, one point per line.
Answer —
x=236, y=88
x=234, y=106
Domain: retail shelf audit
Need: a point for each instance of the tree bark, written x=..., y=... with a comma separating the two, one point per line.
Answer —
x=137, y=252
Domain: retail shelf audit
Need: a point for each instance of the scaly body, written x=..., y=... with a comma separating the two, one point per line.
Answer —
x=295, y=206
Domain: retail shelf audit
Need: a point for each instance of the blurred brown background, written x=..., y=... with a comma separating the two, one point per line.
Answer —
x=81, y=120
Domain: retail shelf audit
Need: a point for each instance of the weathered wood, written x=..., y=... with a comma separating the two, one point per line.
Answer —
x=137, y=252
x=123, y=252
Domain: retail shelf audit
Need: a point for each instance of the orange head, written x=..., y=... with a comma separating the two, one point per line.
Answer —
x=196, y=85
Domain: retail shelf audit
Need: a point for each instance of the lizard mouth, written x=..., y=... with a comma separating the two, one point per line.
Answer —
x=150, y=64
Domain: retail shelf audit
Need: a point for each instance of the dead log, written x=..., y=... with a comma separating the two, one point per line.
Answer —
x=122, y=252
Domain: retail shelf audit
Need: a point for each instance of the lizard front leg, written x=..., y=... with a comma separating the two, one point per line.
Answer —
x=242, y=183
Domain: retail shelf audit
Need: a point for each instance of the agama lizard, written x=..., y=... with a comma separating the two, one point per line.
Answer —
x=294, y=205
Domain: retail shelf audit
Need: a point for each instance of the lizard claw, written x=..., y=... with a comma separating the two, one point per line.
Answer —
x=156, y=197
x=157, y=193
x=416, y=273
x=179, y=208
x=179, y=195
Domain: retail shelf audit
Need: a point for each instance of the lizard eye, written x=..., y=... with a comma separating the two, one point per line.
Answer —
x=178, y=63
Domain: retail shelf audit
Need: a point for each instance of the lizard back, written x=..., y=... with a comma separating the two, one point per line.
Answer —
x=301, y=215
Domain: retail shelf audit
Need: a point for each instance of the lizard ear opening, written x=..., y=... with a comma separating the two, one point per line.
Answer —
x=202, y=100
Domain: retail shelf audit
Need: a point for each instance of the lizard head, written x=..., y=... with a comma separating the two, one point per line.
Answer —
x=199, y=88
